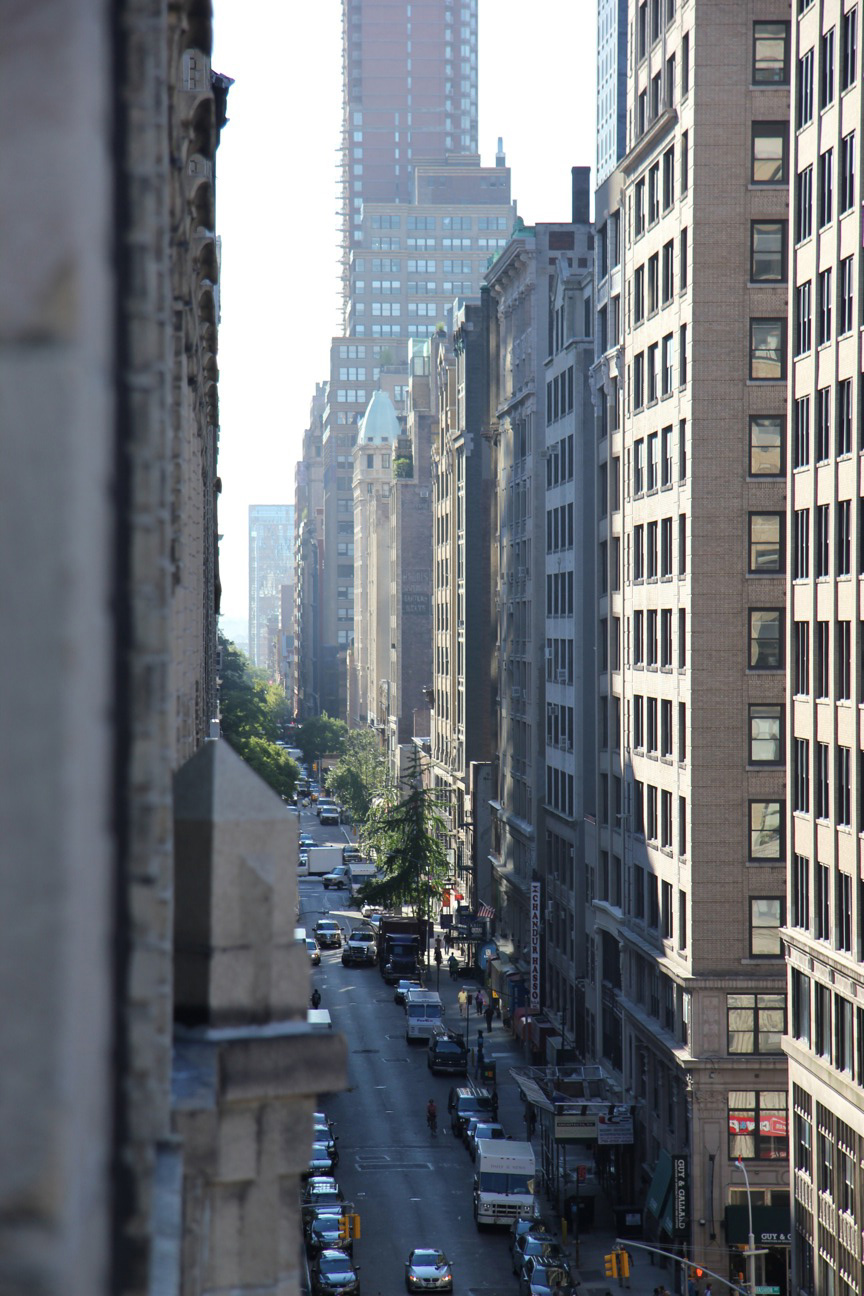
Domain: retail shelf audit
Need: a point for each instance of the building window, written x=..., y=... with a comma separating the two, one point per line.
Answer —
x=821, y=903
x=766, y=445
x=766, y=733
x=826, y=187
x=823, y=424
x=843, y=787
x=843, y=661
x=804, y=205
x=843, y=556
x=845, y=297
x=766, y=830
x=757, y=1125
x=804, y=108
x=769, y=151
x=823, y=659
x=822, y=781
x=825, y=304
x=826, y=78
x=768, y=251
x=767, y=349
x=803, y=318
x=770, y=53
x=844, y=416
x=800, y=1008
x=849, y=49
x=801, y=447
x=766, y=542
x=755, y=1023
x=766, y=638
x=801, y=777
x=668, y=178
x=766, y=919
x=847, y=173
x=802, y=658
x=822, y=541
x=801, y=892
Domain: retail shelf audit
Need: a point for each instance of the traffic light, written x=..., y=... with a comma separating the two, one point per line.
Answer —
x=695, y=1273
x=610, y=1265
x=624, y=1262
x=344, y=1228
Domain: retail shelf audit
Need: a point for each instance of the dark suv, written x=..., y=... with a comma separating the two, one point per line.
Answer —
x=447, y=1052
x=467, y=1101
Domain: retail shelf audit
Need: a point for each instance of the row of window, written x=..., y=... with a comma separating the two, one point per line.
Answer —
x=559, y=395
x=842, y=659
x=841, y=809
x=825, y=1021
x=825, y=190
x=827, y=76
x=559, y=528
x=658, y=188
x=390, y=243
x=652, y=560
x=654, y=282
x=830, y=297
x=832, y=407
x=652, y=639
x=654, y=370
x=425, y=223
x=829, y=917
x=393, y=265
x=822, y=536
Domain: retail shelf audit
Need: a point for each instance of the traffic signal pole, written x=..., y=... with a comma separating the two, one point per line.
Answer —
x=681, y=1260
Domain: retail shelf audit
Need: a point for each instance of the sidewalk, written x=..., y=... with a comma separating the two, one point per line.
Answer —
x=586, y=1252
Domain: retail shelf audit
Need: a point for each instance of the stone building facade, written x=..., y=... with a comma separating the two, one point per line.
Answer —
x=108, y=401
x=686, y=961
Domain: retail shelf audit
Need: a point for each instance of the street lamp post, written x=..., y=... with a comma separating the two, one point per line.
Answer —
x=751, y=1241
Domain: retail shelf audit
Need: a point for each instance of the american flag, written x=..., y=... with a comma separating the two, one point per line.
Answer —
x=484, y=911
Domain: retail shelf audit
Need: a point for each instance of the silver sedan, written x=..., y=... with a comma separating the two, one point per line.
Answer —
x=428, y=1270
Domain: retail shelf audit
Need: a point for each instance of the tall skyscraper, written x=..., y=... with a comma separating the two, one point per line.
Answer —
x=420, y=218
x=825, y=805
x=689, y=879
x=271, y=565
x=409, y=93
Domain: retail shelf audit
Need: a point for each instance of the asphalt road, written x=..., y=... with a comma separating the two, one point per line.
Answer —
x=409, y=1188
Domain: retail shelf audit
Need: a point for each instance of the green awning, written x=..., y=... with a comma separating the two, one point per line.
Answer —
x=660, y=1185
x=772, y=1225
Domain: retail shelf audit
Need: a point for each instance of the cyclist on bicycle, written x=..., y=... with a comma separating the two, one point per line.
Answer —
x=432, y=1115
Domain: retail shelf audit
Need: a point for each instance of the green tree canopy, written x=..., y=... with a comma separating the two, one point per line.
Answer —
x=406, y=838
x=253, y=713
x=360, y=774
x=321, y=736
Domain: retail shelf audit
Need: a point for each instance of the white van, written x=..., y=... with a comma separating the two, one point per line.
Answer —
x=423, y=1012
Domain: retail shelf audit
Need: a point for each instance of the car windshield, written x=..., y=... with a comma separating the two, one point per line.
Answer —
x=429, y=1259
x=362, y=936
x=541, y=1247
x=446, y=1046
x=334, y=1264
x=327, y=926
x=310, y=945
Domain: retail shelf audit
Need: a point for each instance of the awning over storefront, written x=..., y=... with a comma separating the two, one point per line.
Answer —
x=660, y=1184
x=772, y=1225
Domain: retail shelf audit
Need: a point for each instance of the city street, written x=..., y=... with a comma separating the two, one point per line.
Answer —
x=409, y=1188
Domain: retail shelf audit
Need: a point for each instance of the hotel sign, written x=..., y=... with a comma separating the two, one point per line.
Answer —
x=534, y=984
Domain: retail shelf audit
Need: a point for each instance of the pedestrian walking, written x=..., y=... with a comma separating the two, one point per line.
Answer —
x=478, y=1057
x=489, y=1015
x=447, y=941
x=495, y=1104
x=453, y=965
x=478, y=1002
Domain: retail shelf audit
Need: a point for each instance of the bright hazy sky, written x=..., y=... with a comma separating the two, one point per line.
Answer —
x=276, y=209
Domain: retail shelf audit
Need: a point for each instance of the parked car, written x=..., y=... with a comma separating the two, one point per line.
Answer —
x=306, y=841
x=447, y=1053
x=536, y=1245
x=320, y=1191
x=328, y=812
x=328, y=933
x=541, y=1279
x=320, y=1162
x=322, y=1232
x=314, y=952
x=466, y=1101
x=482, y=1130
x=427, y=1269
x=322, y=1132
x=520, y=1226
x=402, y=987
x=333, y=1274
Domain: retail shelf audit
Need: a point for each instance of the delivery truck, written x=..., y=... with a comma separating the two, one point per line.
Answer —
x=424, y=1012
x=504, y=1174
x=322, y=859
x=400, y=941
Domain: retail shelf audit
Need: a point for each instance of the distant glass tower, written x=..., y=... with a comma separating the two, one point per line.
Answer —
x=611, y=85
x=271, y=565
x=409, y=93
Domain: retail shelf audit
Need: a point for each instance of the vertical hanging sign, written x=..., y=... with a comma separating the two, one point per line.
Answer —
x=534, y=1000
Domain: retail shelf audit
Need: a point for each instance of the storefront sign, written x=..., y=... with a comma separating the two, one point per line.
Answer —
x=680, y=1196
x=534, y=975
x=573, y=1128
x=615, y=1127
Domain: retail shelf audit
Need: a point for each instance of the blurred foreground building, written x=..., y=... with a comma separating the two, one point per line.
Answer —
x=146, y=1012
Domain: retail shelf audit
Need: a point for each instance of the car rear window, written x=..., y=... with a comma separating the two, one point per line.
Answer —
x=446, y=1046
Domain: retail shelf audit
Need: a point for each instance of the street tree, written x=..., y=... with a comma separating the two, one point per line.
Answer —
x=321, y=736
x=360, y=774
x=252, y=714
x=406, y=838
